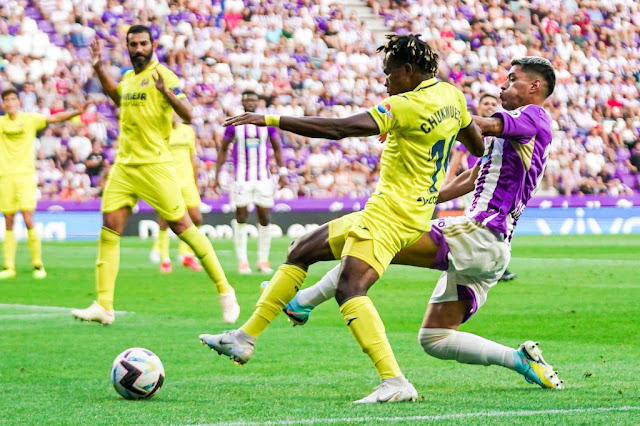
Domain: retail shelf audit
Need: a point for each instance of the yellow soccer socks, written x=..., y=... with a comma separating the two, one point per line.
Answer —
x=9, y=248
x=107, y=267
x=281, y=289
x=366, y=326
x=35, y=247
x=163, y=244
x=204, y=251
x=184, y=249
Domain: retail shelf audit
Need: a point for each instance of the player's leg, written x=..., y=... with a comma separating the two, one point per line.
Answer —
x=240, y=239
x=26, y=203
x=361, y=268
x=185, y=254
x=264, y=201
x=9, y=247
x=508, y=275
x=475, y=259
x=118, y=198
x=158, y=187
x=201, y=246
x=192, y=201
x=35, y=246
x=154, y=255
x=264, y=239
x=423, y=253
x=312, y=247
x=440, y=338
x=163, y=246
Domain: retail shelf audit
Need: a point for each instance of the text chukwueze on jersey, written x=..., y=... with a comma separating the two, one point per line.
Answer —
x=439, y=116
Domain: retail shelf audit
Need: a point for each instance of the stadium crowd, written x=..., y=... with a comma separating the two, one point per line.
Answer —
x=311, y=57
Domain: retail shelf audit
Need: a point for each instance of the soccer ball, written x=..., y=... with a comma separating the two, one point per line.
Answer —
x=137, y=373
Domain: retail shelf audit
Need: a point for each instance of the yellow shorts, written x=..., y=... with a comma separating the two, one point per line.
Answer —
x=190, y=194
x=17, y=193
x=372, y=235
x=154, y=183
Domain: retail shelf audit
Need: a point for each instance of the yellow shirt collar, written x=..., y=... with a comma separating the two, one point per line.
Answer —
x=426, y=83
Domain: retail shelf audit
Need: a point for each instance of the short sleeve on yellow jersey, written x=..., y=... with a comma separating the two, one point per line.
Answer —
x=172, y=82
x=389, y=112
x=39, y=121
x=464, y=111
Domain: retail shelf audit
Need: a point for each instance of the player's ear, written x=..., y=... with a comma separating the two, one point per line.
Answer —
x=536, y=86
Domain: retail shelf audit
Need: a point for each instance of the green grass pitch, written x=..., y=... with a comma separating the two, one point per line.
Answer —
x=578, y=295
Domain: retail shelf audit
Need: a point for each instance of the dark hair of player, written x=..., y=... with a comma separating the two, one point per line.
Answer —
x=540, y=66
x=138, y=29
x=409, y=49
x=9, y=90
x=249, y=93
x=487, y=95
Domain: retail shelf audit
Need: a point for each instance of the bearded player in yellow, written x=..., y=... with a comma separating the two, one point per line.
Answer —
x=17, y=185
x=422, y=118
x=182, y=144
x=147, y=95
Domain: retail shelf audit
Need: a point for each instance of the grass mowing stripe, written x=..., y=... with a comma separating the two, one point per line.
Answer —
x=517, y=413
x=20, y=306
x=584, y=320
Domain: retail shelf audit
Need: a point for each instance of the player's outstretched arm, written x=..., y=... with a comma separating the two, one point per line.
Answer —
x=489, y=126
x=276, y=144
x=222, y=157
x=471, y=138
x=109, y=86
x=65, y=115
x=314, y=127
x=454, y=165
x=462, y=184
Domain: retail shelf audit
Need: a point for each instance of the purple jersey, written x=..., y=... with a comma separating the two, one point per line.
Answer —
x=511, y=168
x=471, y=159
x=250, y=152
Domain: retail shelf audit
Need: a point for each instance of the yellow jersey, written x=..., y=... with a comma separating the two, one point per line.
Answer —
x=421, y=128
x=146, y=116
x=182, y=144
x=16, y=142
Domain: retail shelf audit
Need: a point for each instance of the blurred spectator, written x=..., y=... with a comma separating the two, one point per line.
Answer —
x=312, y=57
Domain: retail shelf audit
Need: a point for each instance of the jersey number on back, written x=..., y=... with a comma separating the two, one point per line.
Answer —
x=438, y=153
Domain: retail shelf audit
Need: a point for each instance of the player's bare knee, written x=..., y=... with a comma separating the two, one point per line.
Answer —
x=298, y=253
x=196, y=219
x=8, y=220
x=180, y=225
x=432, y=341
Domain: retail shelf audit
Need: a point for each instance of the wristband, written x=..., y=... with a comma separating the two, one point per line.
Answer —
x=272, y=120
x=283, y=171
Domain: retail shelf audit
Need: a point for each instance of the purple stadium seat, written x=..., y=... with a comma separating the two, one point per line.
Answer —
x=630, y=180
x=46, y=26
x=33, y=13
x=57, y=39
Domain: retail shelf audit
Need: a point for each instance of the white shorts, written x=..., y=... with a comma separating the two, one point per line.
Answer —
x=259, y=192
x=472, y=257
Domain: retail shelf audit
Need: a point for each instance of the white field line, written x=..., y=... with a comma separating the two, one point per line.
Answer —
x=517, y=413
x=28, y=316
x=16, y=307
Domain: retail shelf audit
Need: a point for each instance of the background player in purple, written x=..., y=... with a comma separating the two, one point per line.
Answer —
x=462, y=160
x=473, y=250
x=252, y=181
